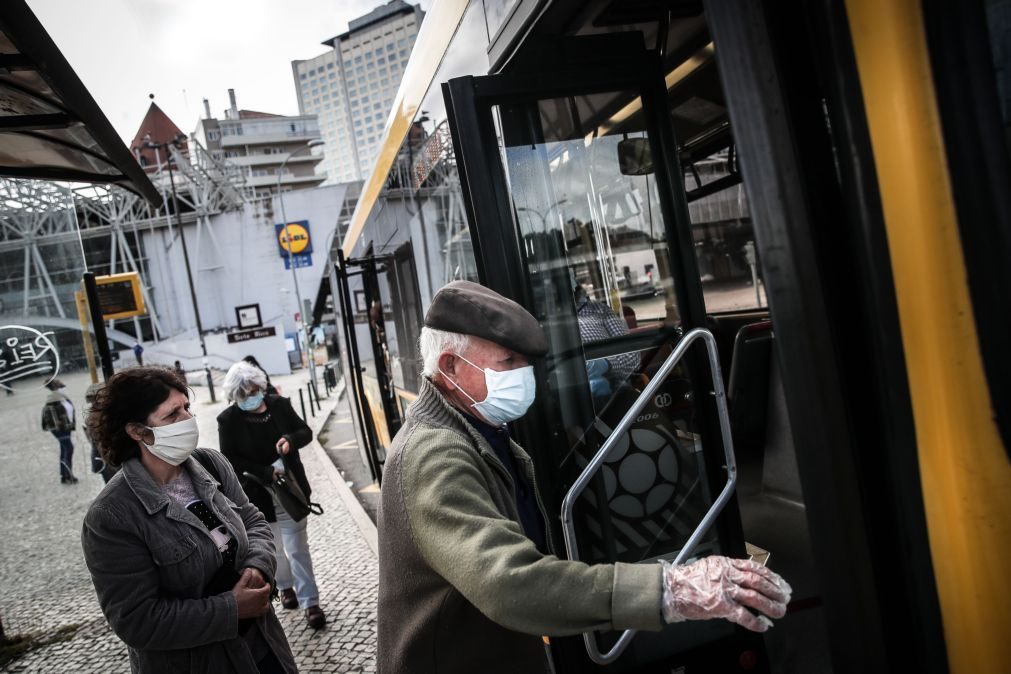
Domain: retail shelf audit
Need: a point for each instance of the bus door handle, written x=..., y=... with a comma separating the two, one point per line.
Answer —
x=569, y=502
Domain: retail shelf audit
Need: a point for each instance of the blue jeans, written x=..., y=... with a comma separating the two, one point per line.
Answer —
x=294, y=566
x=66, y=454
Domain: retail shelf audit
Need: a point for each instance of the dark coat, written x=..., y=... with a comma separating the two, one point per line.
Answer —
x=150, y=560
x=236, y=438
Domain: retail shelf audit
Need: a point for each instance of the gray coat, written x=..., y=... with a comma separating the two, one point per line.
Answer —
x=150, y=559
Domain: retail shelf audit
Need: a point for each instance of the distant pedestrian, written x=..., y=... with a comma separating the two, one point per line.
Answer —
x=138, y=351
x=98, y=464
x=178, y=368
x=181, y=561
x=261, y=435
x=58, y=419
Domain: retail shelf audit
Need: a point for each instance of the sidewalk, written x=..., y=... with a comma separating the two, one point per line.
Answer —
x=47, y=589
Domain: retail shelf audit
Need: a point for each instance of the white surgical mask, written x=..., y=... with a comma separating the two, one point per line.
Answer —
x=510, y=393
x=173, y=443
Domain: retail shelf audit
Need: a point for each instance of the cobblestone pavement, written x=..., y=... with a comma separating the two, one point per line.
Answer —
x=46, y=585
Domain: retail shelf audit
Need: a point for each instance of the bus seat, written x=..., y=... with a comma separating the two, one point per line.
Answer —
x=780, y=477
x=758, y=415
x=748, y=386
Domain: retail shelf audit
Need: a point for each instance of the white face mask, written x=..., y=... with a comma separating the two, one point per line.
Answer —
x=174, y=443
x=510, y=393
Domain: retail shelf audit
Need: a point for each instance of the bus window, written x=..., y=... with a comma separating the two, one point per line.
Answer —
x=578, y=213
x=723, y=234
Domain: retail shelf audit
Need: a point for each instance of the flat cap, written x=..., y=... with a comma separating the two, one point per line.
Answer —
x=471, y=309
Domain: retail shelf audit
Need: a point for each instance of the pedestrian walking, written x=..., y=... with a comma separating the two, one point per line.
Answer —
x=98, y=464
x=182, y=562
x=261, y=435
x=59, y=419
x=138, y=352
x=467, y=578
x=178, y=368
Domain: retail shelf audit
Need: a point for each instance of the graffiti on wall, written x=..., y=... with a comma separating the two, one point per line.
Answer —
x=28, y=358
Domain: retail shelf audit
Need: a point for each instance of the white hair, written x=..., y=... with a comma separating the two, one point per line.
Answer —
x=243, y=377
x=433, y=343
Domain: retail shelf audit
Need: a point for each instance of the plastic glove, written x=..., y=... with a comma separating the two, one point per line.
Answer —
x=721, y=587
x=278, y=467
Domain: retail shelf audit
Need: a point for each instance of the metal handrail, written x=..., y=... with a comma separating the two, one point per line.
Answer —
x=569, y=502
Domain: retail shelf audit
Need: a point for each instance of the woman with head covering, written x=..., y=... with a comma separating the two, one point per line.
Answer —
x=182, y=562
x=261, y=435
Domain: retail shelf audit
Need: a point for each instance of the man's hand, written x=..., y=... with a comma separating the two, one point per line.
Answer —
x=283, y=446
x=249, y=600
x=721, y=587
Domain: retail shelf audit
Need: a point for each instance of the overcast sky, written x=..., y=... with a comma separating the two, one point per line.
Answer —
x=183, y=51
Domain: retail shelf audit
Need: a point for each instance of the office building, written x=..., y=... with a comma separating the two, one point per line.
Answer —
x=351, y=87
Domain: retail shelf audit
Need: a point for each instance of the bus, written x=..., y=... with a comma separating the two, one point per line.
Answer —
x=820, y=190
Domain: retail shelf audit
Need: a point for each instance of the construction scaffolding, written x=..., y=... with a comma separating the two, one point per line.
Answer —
x=50, y=233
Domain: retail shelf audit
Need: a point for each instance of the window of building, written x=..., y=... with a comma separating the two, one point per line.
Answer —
x=329, y=66
x=380, y=61
x=404, y=53
x=358, y=60
x=332, y=76
x=312, y=72
x=301, y=76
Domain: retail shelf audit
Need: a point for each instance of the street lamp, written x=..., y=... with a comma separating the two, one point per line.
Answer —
x=316, y=142
x=176, y=143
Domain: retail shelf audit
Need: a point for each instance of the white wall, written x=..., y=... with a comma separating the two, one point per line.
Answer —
x=270, y=352
x=239, y=263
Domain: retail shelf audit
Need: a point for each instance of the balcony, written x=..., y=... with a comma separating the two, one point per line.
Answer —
x=291, y=180
x=253, y=139
x=273, y=159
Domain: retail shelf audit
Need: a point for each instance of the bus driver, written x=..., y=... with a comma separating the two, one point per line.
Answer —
x=468, y=579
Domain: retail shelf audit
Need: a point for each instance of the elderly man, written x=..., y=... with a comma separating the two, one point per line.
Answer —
x=468, y=579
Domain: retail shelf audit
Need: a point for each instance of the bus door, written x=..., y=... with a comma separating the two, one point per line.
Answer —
x=577, y=211
x=365, y=310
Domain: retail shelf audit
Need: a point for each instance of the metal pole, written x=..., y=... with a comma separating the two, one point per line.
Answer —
x=301, y=401
x=189, y=279
x=291, y=264
x=98, y=323
x=82, y=315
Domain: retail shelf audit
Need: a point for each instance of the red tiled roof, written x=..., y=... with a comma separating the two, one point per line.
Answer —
x=158, y=128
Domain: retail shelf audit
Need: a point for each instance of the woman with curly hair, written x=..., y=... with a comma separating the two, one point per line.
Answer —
x=182, y=562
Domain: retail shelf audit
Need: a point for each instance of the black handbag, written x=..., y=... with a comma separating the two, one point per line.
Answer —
x=293, y=499
x=289, y=495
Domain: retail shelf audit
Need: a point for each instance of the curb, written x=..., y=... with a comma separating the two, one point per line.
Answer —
x=355, y=509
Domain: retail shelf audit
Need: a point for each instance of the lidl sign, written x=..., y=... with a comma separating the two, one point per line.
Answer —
x=295, y=238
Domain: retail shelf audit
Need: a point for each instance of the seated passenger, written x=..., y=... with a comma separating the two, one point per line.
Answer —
x=596, y=323
x=468, y=577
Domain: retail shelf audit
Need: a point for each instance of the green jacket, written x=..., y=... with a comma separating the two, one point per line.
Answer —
x=461, y=588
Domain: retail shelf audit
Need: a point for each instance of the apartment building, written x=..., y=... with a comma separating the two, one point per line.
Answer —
x=263, y=146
